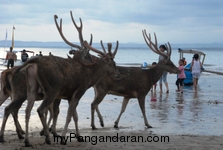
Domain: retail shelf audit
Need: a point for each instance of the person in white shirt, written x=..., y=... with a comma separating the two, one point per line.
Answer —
x=196, y=70
x=164, y=76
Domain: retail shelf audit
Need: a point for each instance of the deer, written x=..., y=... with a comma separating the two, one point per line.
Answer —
x=134, y=83
x=64, y=79
x=15, y=86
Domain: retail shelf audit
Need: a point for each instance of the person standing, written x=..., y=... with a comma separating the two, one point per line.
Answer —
x=180, y=77
x=40, y=53
x=164, y=76
x=11, y=57
x=154, y=85
x=24, y=56
x=196, y=70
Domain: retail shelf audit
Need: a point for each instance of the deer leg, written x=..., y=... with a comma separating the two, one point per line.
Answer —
x=9, y=109
x=28, y=111
x=142, y=107
x=94, y=105
x=17, y=124
x=48, y=99
x=56, y=111
x=42, y=131
x=124, y=104
x=72, y=112
x=75, y=117
x=100, y=117
x=50, y=109
x=68, y=119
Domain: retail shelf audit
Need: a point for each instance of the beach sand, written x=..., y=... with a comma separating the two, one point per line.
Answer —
x=190, y=120
x=175, y=142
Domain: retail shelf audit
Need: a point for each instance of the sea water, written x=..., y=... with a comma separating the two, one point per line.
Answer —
x=139, y=55
x=172, y=113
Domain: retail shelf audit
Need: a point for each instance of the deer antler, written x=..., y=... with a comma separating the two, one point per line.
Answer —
x=154, y=47
x=112, y=55
x=169, y=49
x=59, y=28
x=79, y=29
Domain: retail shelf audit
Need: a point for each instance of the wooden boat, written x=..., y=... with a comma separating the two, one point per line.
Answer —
x=191, y=52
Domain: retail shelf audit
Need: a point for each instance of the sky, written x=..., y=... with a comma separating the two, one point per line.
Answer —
x=176, y=21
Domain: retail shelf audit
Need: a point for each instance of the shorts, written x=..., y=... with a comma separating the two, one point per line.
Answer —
x=163, y=78
x=10, y=63
x=196, y=75
x=180, y=82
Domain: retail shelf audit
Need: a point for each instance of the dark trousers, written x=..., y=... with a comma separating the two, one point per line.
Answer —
x=11, y=63
x=179, y=82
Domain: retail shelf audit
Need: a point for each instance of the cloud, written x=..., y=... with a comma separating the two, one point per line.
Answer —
x=176, y=21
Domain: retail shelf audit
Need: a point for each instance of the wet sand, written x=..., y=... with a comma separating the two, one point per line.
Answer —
x=191, y=120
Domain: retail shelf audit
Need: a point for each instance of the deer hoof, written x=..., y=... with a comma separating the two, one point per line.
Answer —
x=22, y=132
x=93, y=127
x=47, y=140
x=27, y=144
x=41, y=133
x=62, y=142
x=149, y=126
x=2, y=139
x=116, y=126
x=102, y=124
x=80, y=139
x=20, y=136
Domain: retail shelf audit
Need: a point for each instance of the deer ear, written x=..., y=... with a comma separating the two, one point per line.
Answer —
x=72, y=51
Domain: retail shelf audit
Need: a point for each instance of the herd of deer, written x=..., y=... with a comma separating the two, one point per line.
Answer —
x=52, y=78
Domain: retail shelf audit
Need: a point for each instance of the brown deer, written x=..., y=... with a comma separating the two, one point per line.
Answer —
x=134, y=83
x=15, y=87
x=64, y=79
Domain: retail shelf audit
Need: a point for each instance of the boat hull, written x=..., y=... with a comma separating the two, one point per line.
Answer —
x=189, y=79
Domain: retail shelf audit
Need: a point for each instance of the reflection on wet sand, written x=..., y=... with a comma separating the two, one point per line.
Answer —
x=195, y=107
x=173, y=113
x=162, y=106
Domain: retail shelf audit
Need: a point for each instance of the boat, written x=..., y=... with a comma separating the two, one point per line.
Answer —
x=189, y=79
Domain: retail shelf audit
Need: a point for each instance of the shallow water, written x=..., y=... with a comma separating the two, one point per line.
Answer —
x=174, y=113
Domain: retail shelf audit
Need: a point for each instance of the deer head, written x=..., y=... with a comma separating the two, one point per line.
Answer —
x=166, y=63
x=105, y=57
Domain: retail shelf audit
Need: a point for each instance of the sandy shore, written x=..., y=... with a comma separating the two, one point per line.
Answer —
x=174, y=142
